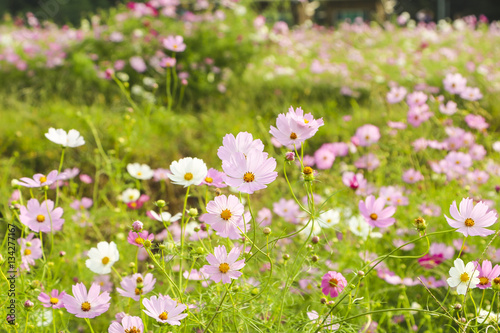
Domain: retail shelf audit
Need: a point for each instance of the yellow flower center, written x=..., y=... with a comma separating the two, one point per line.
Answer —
x=40, y=218
x=209, y=180
x=27, y=252
x=105, y=260
x=223, y=268
x=226, y=214
x=469, y=222
x=367, y=137
x=374, y=216
x=139, y=240
x=307, y=170
x=496, y=280
x=248, y=177
x=138, y=291
x=42, y=179
x=132, y=330
x=139, y=173
x=188, y=176
x=163, y=316
x=86, y=306
x=293, y=136
x=138, y=280
x=464, y=277
x=483, y=280
x=133, y=204
x=306, y=121
x=333, y=282
x=131, y=197
x=54, y=300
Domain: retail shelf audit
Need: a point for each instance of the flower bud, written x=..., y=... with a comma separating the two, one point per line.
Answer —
x=315, y=240
x=160, y=203
x=361, y=273
x=290, y=156
x=203, y=227
x=420, y=224
x=14, y=183
x=147, y=243
x=314, y=258
x=140, y=285
x=200, y=250
x=62, y=254
x=323, y=300
x=331, y=303
x=137, y=225
x=35, y=284
x=131, y=264
x=151, y=267
x=193, y=212
x=235, y=288
x=266, y=231
x=457, y=307
x=308, y=173
x=495, y=284
x=28, y=304
x=286, y=257
x=497, y=188
x=255, y=291
x=196, y=229
x=162, y=247
x=28, y=244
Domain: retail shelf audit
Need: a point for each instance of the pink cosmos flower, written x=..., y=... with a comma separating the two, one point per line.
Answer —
x=242, y=143
x=195, y=275
x=306, y=120
x=40, y=180
x=420, y=144
x=87, y=305
x=430, y=209
x=225, y=215
x=164, y=310
x=138, y=64
x=161, y=174
x=139, y=202
x=454, y=83
x=337, y=148
x=138, y=238
x=476, y=121
x=367, y=135
x=418, y=114
x=353, y=180
x=223, y=266
x=324, y=158
x=31, y=250
x=369, y=162
x=333, y=283
x=438, y=252
x=374, y=213
x=174, y=43
x=458, y=161
x=136, y=285
x=396, y=125
x=471, y=220
x=471, y=94
x=54, y=300
x=264, y=217
x=416, y=98
x=396, y=95
x=41, y=217
x=214, y=178
x=449, y=108
x=167, y=62
x=432, y=283
x=84, y=203
x=477, y=152
x=289, y=210
x=104, y=282
x=412, y=176
x=295, y=127
x=86, y=179
x=251, y=172
x=71, y=173
x=487, y=274
x=128, y=324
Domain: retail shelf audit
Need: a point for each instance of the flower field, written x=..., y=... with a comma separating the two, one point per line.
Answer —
x=204, y=168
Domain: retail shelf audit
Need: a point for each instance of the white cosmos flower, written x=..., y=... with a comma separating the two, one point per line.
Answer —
x=188, y=171
x=329, y=218
x=130, y=194
x=165, y=216
x=359, y=227
x=102, y=257
x=484, y=318
x=140, y=171
x=463, y=277
x=71, y=139
x=43, y=317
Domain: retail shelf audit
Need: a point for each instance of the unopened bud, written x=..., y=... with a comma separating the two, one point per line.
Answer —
x=420, y=224
x=331, y=303
x=196, y=229
x=203, y=227
x=266, y=231
x=137, y=225
x=151, y=267
x=314, y=258
x=14, y=183
x=147, y=243
x=495, y=284
x=140, y=285
x=160, y=203
x=315, y=240
x=62, y=254
x=193, y=212
x=255, y=291
x=290, y=156
x=323, y=300
x=286, y=257
x=200, y=250
x=457, y=307
x=28, y=304
x=361, y=273
x=131, y=264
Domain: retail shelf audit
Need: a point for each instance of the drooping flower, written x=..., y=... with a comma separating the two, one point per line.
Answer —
x=486, y=274
x=102, y=257
x=225, y=215
x=54, y=300
x=242, y=143
x=140, y=171
x=70, y=139
x=374, y=213
x=40, y=180
x=463, y=277
x=129, y=324
x=164, y=310
x=41, y=216
x=223, y=266
x=136, y=285
x=174, y=43
x=471, y=220
x=188, y=171
x=333, y=283
x=251, y=172
x=87, y=305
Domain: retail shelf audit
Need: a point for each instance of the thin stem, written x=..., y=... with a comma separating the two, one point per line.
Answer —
x=58, y=184
x=219, y=306
x=88, y=322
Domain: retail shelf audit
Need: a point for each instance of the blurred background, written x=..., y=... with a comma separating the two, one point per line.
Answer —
x=326, y=12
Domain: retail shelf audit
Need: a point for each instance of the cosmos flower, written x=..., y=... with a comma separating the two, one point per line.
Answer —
x=174, y=43
x=129, y=324
x=225, y=215
x=471, y=220
x=374, y=213
x=31, y=250
x=476, y=121
x=289, y=210
x=329, y=218
x=87, y=305
x=486, y=274
x=412, y=176
x=223, y=266
x=214, y=178
x=471, y=94
x=463, y=277
x=41, y=216
x=102, y=257
x=264, y=217
x=251, y=172
x=165, y=216
x=324, y=158
x=40, y=180
x=289, y=132
x=140, y=171
x=164, y=310
x=54, y=300
x=136, y=285
x=396, y=95
x=454, y=83
x=367, y=135
x=353, y=180
x=70, y=139
x=138, y=238
x=333, y=284
x=242, y=143
x=188, y=171
x=130, y=195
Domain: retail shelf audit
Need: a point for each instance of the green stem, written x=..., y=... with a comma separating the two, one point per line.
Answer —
x=58, y=173
x=219, y=306
x=88, y=322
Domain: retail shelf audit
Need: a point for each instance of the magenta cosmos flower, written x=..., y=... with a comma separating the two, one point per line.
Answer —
x=471, y=220
x=242, y=143
x=40, y=180
x=164, y=310
x=333, y=283
x=374, y=213
x=251, y=172
x=136, y=285
x=128, y=324
x=138, y=238
x=87, y=305
x=52, y=301
x=223, y=266
x=367, y=135
x=486, y=274
x=174, y=43
x=41, y=217
x=225, y=215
